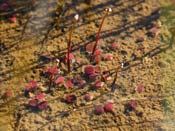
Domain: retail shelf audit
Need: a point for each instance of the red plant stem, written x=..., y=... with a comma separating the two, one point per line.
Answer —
x=69, y=46
x=99, y=31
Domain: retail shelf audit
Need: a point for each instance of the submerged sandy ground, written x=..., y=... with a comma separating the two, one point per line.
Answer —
x=20, y=63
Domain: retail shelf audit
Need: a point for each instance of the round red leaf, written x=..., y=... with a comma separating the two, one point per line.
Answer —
x=99, y=110
x=40, y=96
x=98, y=52
x=89, y=69
x=89, y=47
x=59, y=80
x=69, y=84
x=109, y=107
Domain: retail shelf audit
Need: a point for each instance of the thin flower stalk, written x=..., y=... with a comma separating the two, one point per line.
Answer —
x=100, y=28
x=70, y=40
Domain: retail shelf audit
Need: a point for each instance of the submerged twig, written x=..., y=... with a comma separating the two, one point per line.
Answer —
x=115, y=78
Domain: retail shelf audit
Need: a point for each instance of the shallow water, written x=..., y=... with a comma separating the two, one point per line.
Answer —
x=39, y=30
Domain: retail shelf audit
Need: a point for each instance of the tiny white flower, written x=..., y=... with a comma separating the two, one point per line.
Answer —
x=108, y=9
x=57, y=60
x=76, y=17
x=122, y=65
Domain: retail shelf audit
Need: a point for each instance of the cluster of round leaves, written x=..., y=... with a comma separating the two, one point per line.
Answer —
x=38, y=102
x=37, y=98
x=91, y=72
x=107, y=107
x=97, y=56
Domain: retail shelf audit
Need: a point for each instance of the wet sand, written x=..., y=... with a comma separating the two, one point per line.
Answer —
x=149, y=62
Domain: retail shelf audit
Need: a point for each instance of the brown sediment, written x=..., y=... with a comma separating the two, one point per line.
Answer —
x=47, y=31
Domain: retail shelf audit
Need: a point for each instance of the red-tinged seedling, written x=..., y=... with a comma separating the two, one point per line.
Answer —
x=97, y=52
x=93, y=76
x=33, y=83
x=89, y=48
x=108, y=107
x=40, y=96
x=100, y=28
x=99, y=110
x=133, y=104
x=88, y=97
x=13, y=19
x=70, y=99
x=153, y=32
x=107, y=77
x=68, y=84
x=70, y=57
x=97, y=58
x=52, y=72
x=70, y=40
x=115, y=45
x=31, y=87
x=82, y=83
x=78, y=81
x=97, y=55
x=43, y=105
x=140, y=88
x=60, y=80
x=98, y=69
x=108, y=57
x=33, y=103
x=98, y=84
x=89, y=69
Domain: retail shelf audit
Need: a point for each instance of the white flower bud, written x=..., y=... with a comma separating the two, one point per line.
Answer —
x=108, y=9
x=122, y=65
x=76, y=17
x=57, y=61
